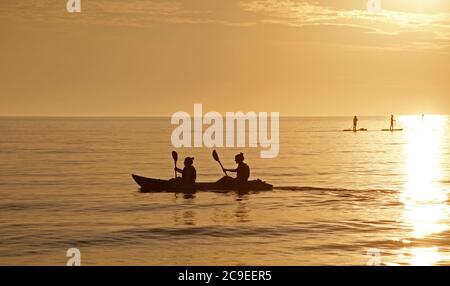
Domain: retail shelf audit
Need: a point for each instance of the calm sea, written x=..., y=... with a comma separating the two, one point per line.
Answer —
x=66, y=182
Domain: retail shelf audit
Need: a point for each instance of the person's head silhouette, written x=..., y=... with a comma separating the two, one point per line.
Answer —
x=239, y=158
x=188, y=161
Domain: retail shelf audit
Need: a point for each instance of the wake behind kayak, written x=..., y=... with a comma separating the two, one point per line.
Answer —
x=158, y=185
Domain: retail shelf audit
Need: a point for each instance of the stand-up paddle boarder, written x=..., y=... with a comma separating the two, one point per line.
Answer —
x=392, y=123
x=355, y=123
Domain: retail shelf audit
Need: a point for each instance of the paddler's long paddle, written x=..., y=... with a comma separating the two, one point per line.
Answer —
x=216, y=157
x=175, y=159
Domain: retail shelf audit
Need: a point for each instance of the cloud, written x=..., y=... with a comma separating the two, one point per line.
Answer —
x=387, y=29
x=142, y=13
x=402, y=29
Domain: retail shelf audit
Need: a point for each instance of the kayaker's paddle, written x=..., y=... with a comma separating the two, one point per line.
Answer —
x=216, y=157
x=175, y=159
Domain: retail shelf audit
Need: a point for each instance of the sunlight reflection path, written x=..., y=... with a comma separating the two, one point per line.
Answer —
x=424, y=198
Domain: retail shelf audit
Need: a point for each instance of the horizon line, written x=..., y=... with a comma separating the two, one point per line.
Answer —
x=169, y=116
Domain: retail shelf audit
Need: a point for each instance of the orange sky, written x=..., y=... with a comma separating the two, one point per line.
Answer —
x=150, y=58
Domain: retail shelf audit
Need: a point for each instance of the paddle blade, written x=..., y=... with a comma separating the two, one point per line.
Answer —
x=175, y=156
x=215, y=156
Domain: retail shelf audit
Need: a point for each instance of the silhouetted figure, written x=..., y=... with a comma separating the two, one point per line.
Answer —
x=392, y=123
x=189, y=174
x=355, y=123
x=242, y=171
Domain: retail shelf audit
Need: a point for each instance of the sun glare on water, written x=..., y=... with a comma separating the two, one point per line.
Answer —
x=424, y=197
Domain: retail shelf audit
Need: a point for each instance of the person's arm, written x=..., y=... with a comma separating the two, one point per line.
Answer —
x=230, y=170
x=178, y=170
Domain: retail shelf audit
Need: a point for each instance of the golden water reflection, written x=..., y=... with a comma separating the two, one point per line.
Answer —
x=425, y=200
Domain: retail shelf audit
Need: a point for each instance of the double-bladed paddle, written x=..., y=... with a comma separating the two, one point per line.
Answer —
x=216, y=157
x=175, y=159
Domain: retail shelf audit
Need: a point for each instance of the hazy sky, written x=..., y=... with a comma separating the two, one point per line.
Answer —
x=149, y=57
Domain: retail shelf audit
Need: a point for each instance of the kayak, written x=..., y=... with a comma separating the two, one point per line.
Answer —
x=351, y=130
x=158, y=185
x=399, y=129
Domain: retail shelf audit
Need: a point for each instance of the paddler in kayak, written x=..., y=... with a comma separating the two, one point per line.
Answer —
x=242, y=171
x=188, y=174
